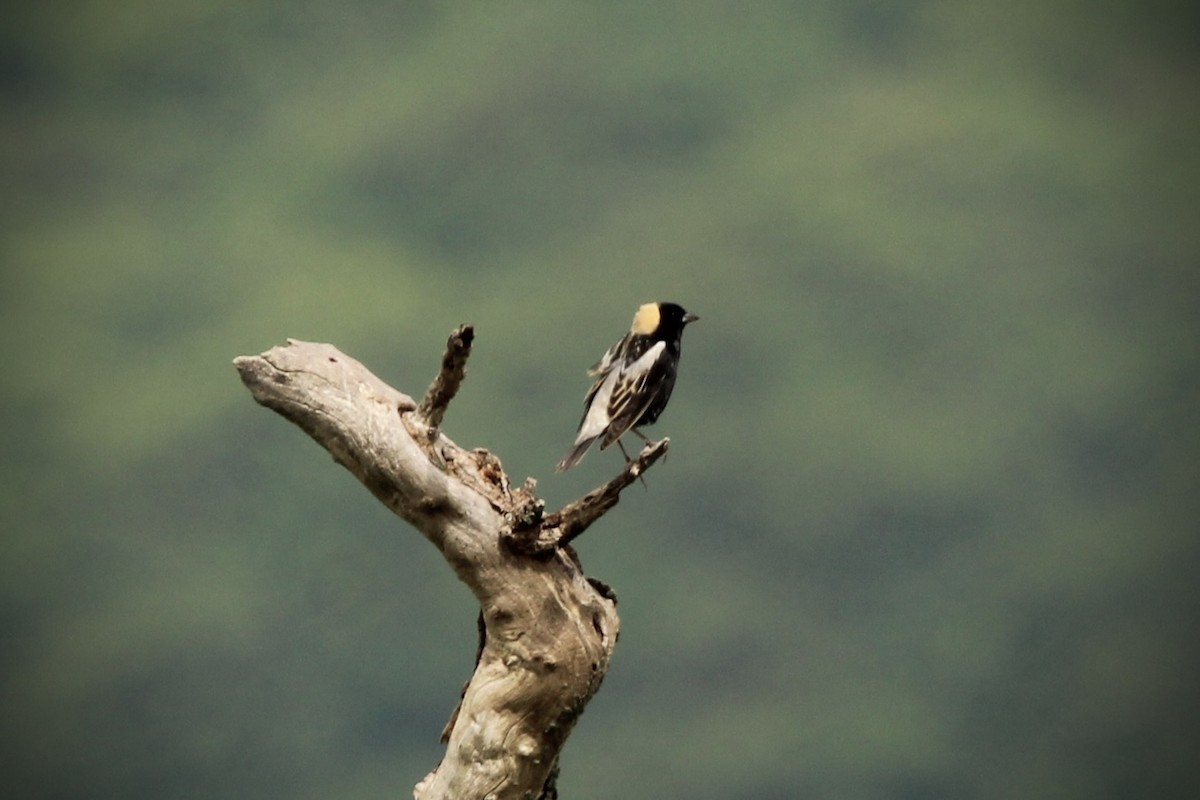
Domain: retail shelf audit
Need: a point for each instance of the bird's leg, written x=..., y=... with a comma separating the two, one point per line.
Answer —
x=645, y=439
x=629, y=460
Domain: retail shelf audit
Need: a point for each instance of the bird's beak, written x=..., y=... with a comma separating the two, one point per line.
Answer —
x=689, y=317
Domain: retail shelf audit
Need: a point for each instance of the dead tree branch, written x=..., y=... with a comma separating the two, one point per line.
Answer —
x=558, y=529
x=445, y=385
x=549, y=631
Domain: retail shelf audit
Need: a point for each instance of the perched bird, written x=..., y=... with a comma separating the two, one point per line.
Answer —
x=634, y=380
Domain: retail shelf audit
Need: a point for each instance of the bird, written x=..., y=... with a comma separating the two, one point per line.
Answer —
x=634, y=379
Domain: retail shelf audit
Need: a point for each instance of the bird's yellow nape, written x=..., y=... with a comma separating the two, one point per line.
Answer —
x=645, y=321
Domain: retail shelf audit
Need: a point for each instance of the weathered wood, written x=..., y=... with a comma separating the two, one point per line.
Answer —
x=449, y=378
x=560, y=528
x=549, y=630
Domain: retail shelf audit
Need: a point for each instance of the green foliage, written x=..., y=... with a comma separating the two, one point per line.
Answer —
x=927, y=528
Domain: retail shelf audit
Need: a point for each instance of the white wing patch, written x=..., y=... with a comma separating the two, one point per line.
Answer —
x=642, y=365
x=630, y=384
x=597, y=415
x=614, y=393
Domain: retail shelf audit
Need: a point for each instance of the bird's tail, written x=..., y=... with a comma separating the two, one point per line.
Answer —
x=575, y=453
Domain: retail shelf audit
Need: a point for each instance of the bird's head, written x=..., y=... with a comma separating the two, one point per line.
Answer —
x=661, y=320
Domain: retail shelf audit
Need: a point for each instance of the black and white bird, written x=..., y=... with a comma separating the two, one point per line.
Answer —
x=634, y=380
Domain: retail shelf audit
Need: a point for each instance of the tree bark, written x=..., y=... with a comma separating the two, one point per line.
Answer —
x=548, y=630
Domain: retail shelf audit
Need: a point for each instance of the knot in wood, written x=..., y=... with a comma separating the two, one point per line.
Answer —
x=527, y=747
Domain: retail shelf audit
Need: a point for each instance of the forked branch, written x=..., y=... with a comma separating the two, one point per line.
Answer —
x=549, y=630
x=561, y=527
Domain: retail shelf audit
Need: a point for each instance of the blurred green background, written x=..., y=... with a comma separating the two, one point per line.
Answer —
x=928, y=528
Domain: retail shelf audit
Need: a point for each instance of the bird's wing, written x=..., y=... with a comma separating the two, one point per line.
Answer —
x=611, y=357
x=628, y=397
x=601, y=370
x=595, y=409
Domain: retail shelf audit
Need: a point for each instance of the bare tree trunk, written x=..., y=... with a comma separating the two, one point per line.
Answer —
x=548, y=630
